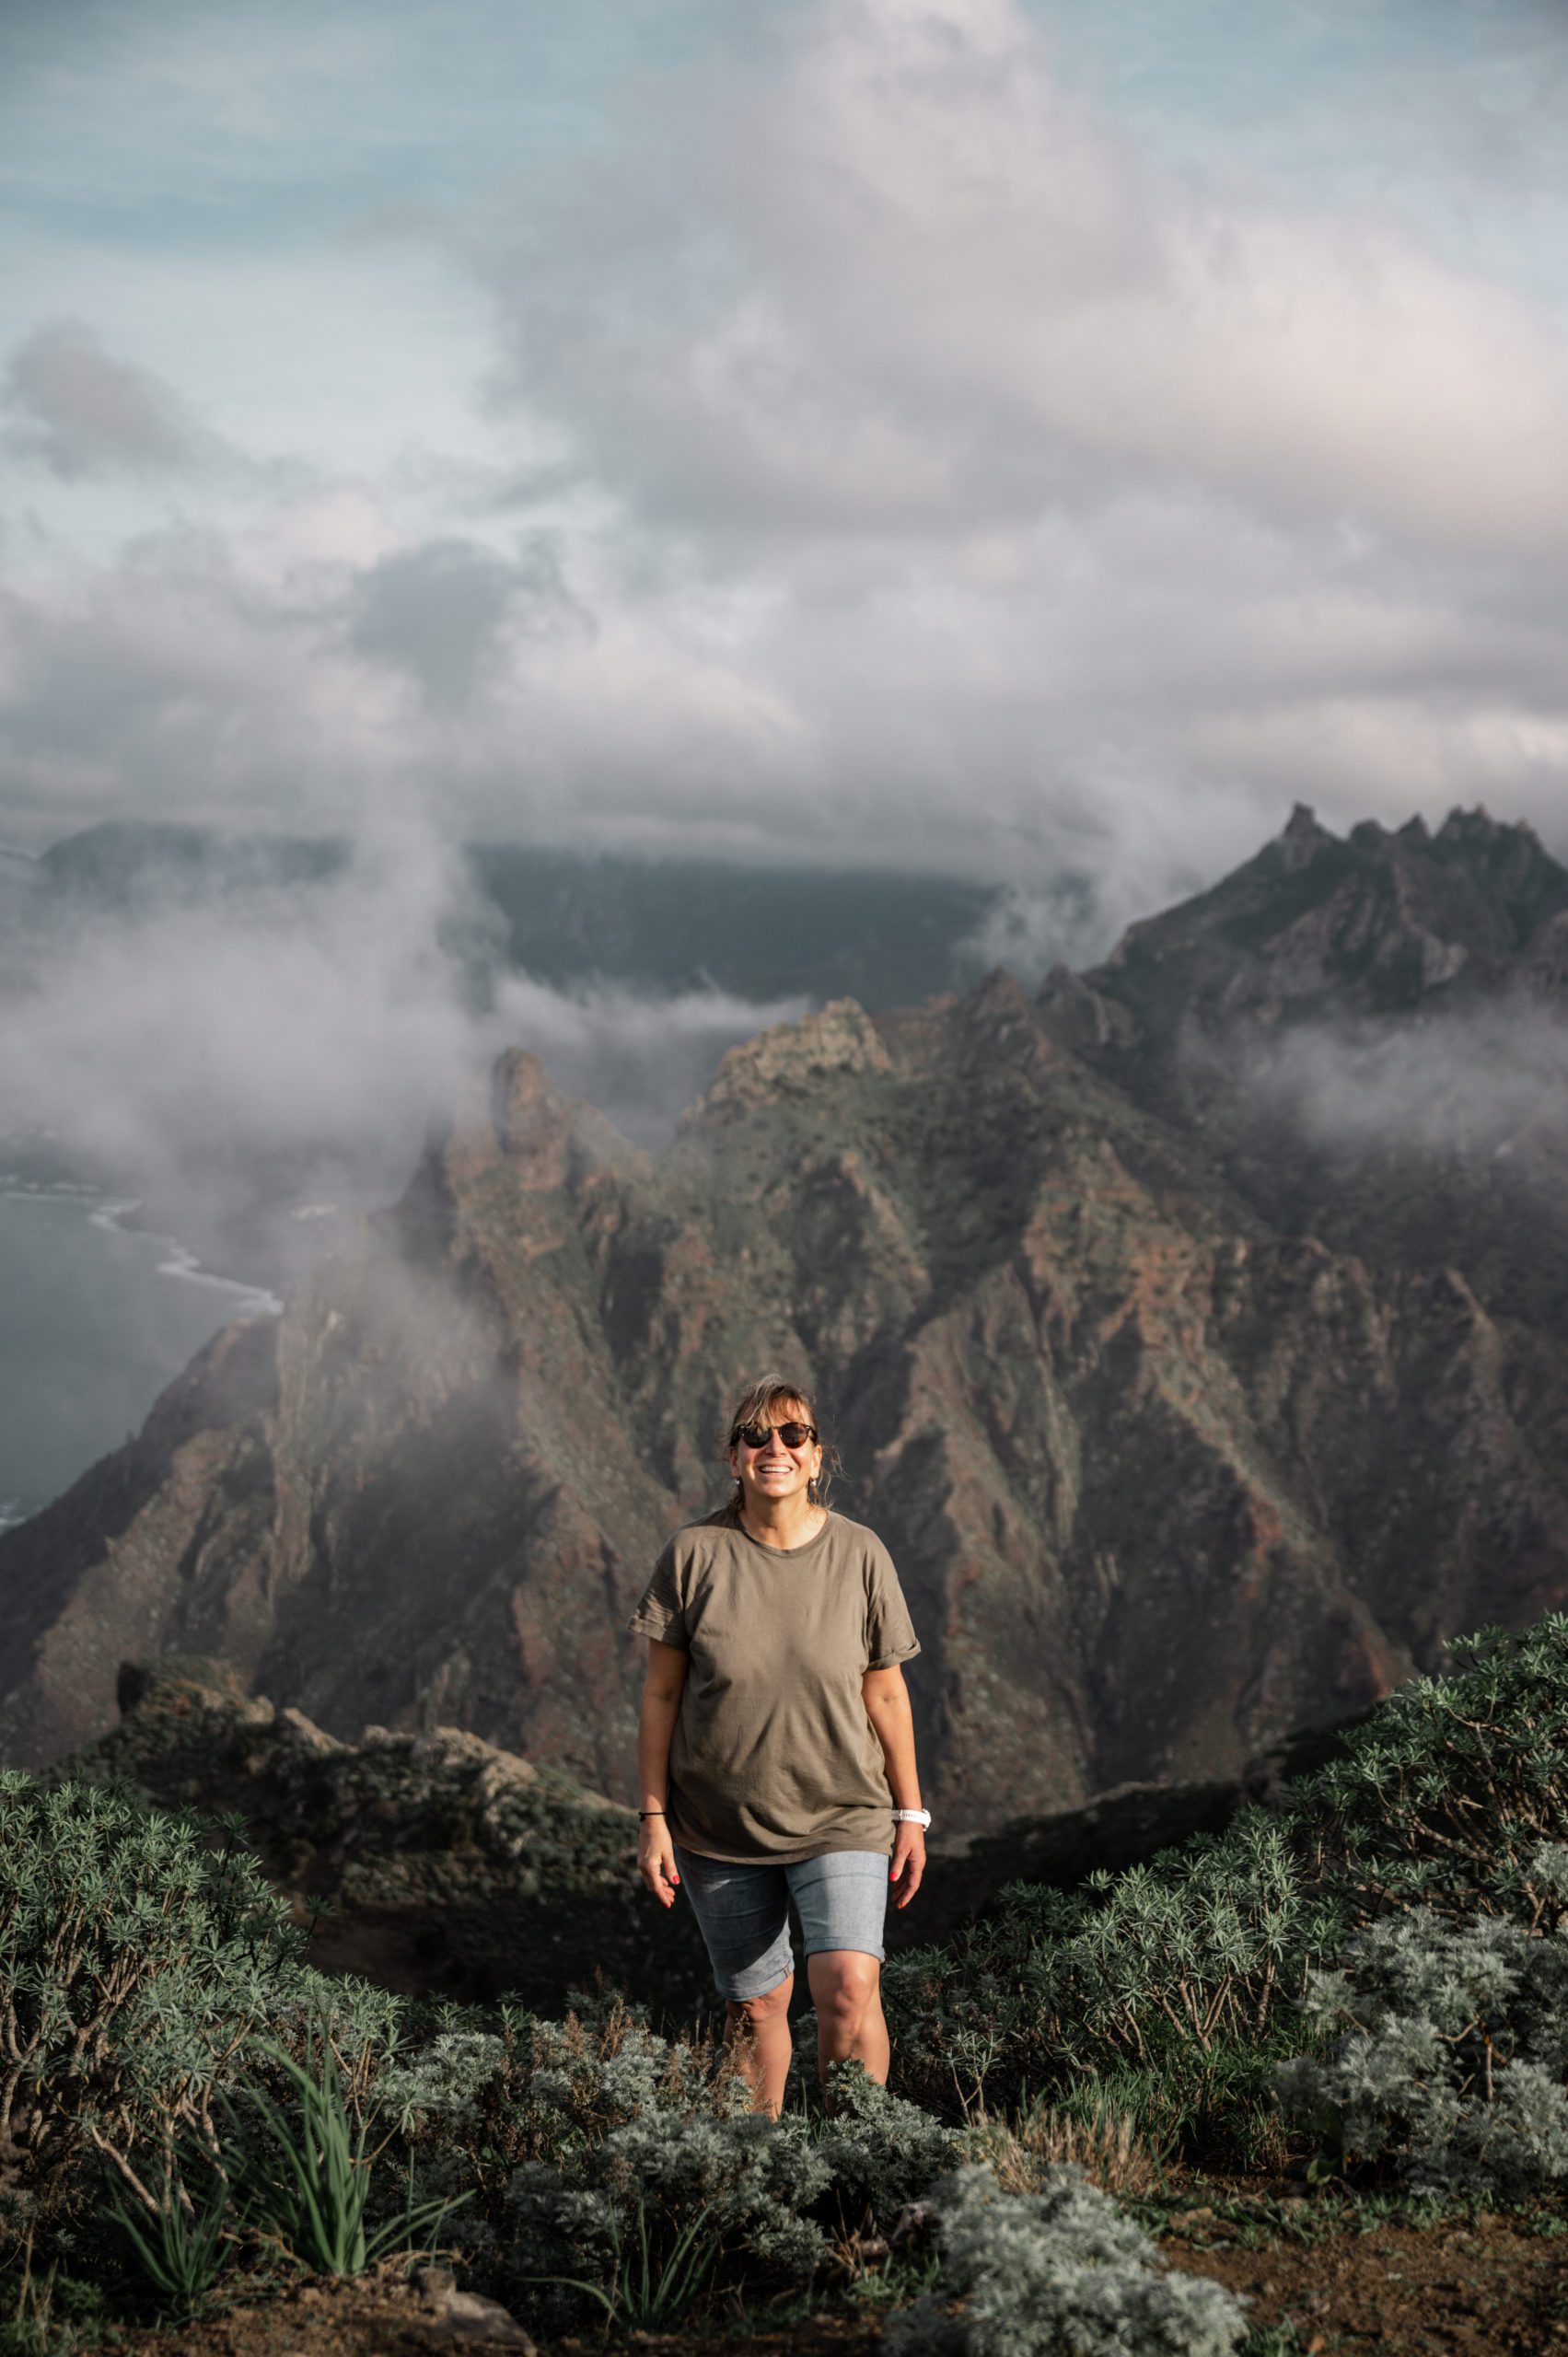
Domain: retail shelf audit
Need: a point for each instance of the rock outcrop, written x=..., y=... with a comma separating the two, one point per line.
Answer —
x=430, y=1862
x=1186, y=1425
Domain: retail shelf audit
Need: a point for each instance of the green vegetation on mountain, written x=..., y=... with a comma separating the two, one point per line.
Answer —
x=1366, y=1983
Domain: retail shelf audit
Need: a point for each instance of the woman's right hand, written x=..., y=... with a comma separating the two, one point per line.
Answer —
x=656, y=1859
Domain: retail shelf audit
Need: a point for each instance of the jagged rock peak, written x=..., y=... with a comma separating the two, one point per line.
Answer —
x=787, y=1058
x=515, y=1115
x=533, y=1123
x=1078, y=1016
x=1477, y=829
x=998, y=996
x=1302, y=836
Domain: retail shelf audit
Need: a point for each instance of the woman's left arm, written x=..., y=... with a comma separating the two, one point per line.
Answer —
x=888, y=1708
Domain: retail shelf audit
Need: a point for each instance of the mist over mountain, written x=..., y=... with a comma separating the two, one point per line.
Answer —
x=1194, y=1407
x=252, y=1032
x=564, y=916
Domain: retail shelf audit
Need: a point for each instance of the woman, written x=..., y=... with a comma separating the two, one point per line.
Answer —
x=776, y=1750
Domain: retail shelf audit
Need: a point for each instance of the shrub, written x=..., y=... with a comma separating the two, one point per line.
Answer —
x=881, y=2151
x=135, y=1961
x=634, y=2145
x=1451, y=2057
x=1454, y=1794
x=1173, y=1992
x=1035, y=2274
x=633, y=2162
x=1167, y=1992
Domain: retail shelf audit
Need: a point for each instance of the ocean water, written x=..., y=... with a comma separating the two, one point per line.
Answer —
x=96, y=1318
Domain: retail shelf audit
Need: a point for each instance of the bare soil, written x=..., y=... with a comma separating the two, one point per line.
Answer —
x=1484, y=2287
x=380, y=2315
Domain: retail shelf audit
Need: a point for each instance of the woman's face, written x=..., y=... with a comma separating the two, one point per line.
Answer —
x=775, y=1470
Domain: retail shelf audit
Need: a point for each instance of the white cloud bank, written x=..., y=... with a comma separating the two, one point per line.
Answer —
x=890, y=462
x=1482, y=1085
x=234, y=1058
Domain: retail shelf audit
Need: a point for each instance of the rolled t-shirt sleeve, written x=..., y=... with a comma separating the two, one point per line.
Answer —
x=889, y=1633
x=661, y=1612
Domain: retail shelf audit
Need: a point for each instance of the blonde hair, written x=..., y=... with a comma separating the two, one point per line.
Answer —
x=765, y=1398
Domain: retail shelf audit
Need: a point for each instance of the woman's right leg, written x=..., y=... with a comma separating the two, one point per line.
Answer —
x=757, y=2033
x=743, y=1915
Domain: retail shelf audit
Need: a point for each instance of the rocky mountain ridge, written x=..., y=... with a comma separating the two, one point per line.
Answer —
x=437, y=1864
x=1186, y=1425
x=429, y=1861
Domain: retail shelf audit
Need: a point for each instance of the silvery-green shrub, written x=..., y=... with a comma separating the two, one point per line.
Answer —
x=134, y=1961
x=1186, y=1970
x=1450, y=2055
x=651, y=2135
x=881, y=2151
x=1178, y=1981
x=1061, y=2271
x=1454, y=1794
x=433, y=2091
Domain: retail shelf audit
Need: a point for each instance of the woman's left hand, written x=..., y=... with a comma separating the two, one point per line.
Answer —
x=908, y=1861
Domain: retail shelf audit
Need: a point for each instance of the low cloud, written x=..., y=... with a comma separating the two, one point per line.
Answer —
x=440, y=611
x=1029, y=930
x=888, y=460
x=640, y=1060
x=1480, y=1085
x=68, y=404
x=237, y=1058
x=895, y=278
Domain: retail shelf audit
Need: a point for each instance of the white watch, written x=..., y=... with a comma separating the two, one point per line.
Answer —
x=911, y=1816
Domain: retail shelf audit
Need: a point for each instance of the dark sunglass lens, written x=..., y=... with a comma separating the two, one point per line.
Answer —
x=792, y=1434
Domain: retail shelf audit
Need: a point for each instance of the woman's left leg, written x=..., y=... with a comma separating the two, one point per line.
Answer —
x=842, y=1898
x=846, y=1989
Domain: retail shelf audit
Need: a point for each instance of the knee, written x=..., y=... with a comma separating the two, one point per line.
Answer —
x=757, y=2010
x=844, y=1988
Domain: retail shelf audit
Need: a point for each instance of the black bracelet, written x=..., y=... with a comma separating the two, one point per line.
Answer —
x=650, y=1812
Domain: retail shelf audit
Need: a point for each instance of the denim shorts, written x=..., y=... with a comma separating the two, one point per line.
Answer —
x=743, y=1912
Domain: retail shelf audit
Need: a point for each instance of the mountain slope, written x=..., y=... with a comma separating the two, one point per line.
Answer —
x=1370, y=1038
x=1168, y=1469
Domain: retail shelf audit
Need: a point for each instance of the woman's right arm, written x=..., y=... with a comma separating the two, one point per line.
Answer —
x=662, y=1690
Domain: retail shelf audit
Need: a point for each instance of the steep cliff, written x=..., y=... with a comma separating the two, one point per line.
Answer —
x=1188, y=1419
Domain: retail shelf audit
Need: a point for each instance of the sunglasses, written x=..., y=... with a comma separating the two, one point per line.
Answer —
x=793, y=1436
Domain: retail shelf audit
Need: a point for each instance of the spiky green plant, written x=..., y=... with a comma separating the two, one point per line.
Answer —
x=645, y=2295
x=308, y=2172
x=179, y=2243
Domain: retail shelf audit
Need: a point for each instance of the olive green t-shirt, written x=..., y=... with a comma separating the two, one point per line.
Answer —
x=774, y=1757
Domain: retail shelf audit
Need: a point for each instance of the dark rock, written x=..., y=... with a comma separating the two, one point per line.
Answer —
x=429, y=1863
